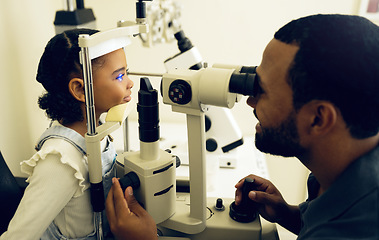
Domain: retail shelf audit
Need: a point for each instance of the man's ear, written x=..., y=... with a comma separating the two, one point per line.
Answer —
x=76, y=88
x=325, y=116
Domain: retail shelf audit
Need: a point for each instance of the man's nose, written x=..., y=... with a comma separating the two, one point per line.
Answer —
x=251, y=101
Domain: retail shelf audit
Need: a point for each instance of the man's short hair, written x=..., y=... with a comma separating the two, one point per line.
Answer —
x=337, y=61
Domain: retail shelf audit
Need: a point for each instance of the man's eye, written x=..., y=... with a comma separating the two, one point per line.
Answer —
x=120, y=77
x=257, y=90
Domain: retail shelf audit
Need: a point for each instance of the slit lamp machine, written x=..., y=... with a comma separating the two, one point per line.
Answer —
x=151, y=171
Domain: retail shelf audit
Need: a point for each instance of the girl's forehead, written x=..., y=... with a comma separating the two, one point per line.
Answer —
x=115, y=58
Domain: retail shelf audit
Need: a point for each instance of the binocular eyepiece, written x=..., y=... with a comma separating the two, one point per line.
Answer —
x=244, y=82
x=219, y=86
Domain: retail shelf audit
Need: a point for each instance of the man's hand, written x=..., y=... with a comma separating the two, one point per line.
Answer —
x=272, y=205
x=127, y=219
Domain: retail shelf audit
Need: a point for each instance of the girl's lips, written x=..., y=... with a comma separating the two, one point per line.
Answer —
x=127, y=99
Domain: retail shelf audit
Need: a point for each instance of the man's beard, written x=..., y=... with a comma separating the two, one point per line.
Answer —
x=282, y=140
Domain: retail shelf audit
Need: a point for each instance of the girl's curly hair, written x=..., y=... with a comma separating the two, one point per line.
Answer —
x=58, y=65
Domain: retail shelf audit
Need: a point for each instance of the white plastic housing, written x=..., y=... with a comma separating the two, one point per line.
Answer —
x=184, y=60
x=154, y=180
x=209, y=86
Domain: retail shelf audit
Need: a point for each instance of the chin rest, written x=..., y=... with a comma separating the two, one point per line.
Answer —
x=10, y=195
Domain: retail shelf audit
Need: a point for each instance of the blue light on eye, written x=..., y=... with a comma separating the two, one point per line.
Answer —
x=120, y=77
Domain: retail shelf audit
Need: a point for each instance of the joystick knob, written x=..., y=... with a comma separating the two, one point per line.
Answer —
x=246, y=211
x=130, y=179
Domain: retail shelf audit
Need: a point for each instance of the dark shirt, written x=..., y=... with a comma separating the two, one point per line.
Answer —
x=349, y=208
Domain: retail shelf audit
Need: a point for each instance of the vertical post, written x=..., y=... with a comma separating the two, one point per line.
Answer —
x=93, y=148
x=70, y=5
x=126, y=135
x=197, y=165
x=88, y=89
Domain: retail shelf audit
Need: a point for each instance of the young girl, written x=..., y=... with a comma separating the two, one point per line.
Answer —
x=56, y=203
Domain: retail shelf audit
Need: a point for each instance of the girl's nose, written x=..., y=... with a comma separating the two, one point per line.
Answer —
x=130, y=83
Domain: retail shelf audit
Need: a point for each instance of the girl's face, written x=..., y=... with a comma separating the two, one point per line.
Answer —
x=111, y=84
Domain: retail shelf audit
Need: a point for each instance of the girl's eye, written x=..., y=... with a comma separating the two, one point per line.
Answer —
x=120, y=77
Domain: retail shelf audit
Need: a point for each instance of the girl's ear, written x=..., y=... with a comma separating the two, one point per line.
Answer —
x=76, y=88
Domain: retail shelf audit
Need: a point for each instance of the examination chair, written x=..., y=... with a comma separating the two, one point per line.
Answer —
x=10, y=195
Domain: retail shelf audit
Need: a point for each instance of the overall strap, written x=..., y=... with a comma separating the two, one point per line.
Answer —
x=65, y=133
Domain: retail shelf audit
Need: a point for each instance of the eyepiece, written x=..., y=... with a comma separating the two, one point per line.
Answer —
x=248, y=69
x=148, y=112
x=243, y=83
x=184, y=44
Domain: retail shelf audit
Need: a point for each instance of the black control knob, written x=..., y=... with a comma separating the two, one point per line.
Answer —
x=211, y=145
x=130, y=179
x=208, y=123
x=219, y=205
x=246, y=211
